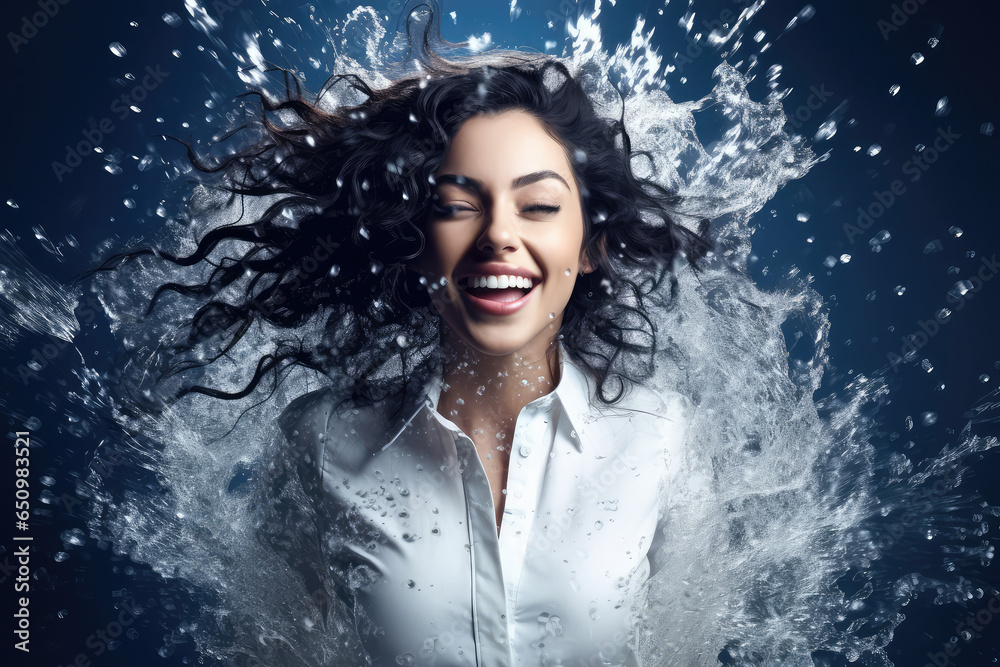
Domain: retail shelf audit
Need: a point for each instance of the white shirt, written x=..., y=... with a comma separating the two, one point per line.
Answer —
x=409, y=528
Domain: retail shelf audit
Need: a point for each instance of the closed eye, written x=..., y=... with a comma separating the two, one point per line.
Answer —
x=542, y=208
x=449, y=209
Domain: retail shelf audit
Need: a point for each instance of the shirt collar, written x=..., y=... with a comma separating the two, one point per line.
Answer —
x=573, y=393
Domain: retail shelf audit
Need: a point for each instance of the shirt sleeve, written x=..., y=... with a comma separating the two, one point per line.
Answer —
x=674, y=427
x=296, y=519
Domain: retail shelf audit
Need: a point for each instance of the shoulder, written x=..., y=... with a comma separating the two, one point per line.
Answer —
x=663, y=407
x=322, y=428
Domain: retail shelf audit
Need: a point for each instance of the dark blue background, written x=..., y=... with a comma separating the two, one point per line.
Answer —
x=66, y=74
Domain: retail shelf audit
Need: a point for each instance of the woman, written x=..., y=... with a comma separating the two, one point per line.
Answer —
x=483, y=485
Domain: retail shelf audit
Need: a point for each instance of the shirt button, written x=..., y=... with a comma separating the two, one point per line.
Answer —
x=524, y=451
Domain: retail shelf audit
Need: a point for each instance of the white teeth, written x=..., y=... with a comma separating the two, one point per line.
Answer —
x=499, y=282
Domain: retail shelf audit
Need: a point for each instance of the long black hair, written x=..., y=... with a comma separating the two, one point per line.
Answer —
x=348, y=190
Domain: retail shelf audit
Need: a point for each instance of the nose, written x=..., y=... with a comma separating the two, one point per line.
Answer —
x=499, y=232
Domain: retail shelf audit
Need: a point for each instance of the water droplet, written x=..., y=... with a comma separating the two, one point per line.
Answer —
x=984, y=378
x=917, y=58
x=402, y=341
x=933, y=246
x=376, y=266
x=926, y=365
x=955, y=231
x=117, y=49
x=598, y=525
x=568, y=272
x=12, y=203
x=830, y=261
x=802, y=217
x=334, y=271
x=60, y=556
x=942, y=107
x=129, y=203
x=845, y=258
x=406, y=659
x=960, y=289
x=874, y=150
x=171, y=19
x=524, y=451
x=943, y=314
x=72, y=536
x=900, y=290
x=882, y=236
x=928, y=418
x=552, y=316
x=894, y=89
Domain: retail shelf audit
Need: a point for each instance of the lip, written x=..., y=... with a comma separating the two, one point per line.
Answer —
x=496, y=307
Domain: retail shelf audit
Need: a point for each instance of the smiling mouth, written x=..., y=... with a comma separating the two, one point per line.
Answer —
x=499, y=289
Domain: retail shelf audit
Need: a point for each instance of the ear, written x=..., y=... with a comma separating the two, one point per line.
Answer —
x=587, y=264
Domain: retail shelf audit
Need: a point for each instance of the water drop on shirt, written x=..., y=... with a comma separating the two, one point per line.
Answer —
x=917, y=58
x=874, y=150
x=802, y=217
x=928, y=418
x=117, y=49
x=955, y=231
x=171, y=19
x=984, y=378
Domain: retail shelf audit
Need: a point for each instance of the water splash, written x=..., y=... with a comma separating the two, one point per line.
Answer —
x=790, y=528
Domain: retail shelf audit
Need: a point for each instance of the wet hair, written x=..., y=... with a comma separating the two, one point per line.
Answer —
x=348, y=192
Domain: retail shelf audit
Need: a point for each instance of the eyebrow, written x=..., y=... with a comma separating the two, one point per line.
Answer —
x=519, y=182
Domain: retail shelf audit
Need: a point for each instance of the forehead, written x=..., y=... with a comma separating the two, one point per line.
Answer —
x=497, y=148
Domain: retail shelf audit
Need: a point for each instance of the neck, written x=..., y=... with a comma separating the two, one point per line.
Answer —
x=486, y=392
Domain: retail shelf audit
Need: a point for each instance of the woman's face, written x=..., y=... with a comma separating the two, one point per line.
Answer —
x=507, y=205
